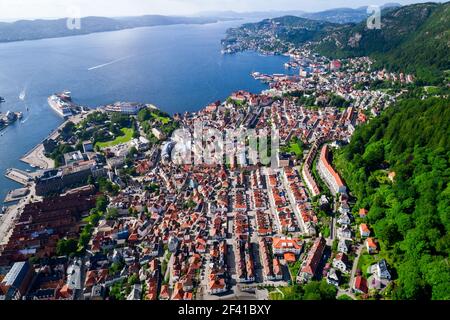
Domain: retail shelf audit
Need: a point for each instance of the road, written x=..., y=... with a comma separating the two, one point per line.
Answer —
x=355, y=263
x=11, y=215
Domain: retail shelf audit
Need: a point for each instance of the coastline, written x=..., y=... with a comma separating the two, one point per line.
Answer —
x=122, y=29
x=33, y=154
x=36, y=157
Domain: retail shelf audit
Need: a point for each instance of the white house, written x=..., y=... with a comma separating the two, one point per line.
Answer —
x=340, y=262
x=343, y=246
x=381, y=270
x=344, y=232
x=344, y=219
x=332, y=277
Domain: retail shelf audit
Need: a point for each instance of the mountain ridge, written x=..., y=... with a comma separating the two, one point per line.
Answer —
x=22, y=30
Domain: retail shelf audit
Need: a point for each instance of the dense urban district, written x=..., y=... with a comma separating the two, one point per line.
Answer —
x=357, y=206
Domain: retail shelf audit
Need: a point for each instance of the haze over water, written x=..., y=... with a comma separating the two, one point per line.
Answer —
x=178, y=68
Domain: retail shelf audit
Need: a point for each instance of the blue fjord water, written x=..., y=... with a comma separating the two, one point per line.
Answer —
x=178, y=68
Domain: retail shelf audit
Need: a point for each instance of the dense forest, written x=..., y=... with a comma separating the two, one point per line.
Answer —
x=410, y=213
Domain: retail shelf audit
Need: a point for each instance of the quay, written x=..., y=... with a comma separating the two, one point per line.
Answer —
x=16, y=195
x=19, y=176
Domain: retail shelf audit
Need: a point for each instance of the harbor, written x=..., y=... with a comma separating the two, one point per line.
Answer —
x=36, y=157
x=22, y=177
x=16, y=195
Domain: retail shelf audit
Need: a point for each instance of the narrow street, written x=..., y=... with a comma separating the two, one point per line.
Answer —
x=355, y=263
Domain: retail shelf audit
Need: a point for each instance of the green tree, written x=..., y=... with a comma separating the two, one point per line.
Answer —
x=66, y=247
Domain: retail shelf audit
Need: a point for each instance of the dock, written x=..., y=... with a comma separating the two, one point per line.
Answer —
x=16, y=195
x=19, y=176
x=36, y=158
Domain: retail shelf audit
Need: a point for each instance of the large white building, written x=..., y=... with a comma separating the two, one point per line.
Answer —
x=327, y=173
x=125, y=108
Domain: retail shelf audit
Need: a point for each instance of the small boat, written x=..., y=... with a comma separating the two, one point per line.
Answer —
x=3, y=210
x=2, y=99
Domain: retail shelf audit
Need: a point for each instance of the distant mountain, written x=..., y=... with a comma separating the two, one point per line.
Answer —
x=250, y=15
x=345, y=15
x=40, y=29
x=339, y=15
x=414, y=38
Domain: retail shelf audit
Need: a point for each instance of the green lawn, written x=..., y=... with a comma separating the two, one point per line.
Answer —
x=294, y=147
x=293, y=268
x=288, y=293
x=164, y=120
x=326, y=231
x=431, y=89
x=127, y=136
x=365, y=261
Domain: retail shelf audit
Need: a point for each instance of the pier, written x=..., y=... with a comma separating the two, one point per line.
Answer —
x=16, y=195
x=19, y=176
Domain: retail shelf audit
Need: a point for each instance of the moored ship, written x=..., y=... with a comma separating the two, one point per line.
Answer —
x=61, y=103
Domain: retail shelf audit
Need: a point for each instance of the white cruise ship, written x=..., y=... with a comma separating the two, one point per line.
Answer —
x=61, y=104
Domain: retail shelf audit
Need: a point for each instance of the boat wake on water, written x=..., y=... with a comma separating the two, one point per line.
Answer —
x=108, y=63
x=22, y=94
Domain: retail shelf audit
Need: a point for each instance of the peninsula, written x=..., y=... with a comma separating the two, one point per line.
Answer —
x=43, y=29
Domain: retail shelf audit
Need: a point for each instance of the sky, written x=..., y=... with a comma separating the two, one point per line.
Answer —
x=31, y=9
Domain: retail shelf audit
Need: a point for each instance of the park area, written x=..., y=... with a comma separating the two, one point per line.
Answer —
x=125, y=137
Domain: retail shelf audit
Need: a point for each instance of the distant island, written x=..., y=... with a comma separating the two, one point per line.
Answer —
x=41, y=29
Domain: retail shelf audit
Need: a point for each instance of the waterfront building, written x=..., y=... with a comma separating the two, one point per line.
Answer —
x=56, y=180
x=128, y=108
x=43, y=223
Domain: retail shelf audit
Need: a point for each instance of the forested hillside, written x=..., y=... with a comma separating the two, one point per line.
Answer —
x=413, y=39
x=411, y=214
